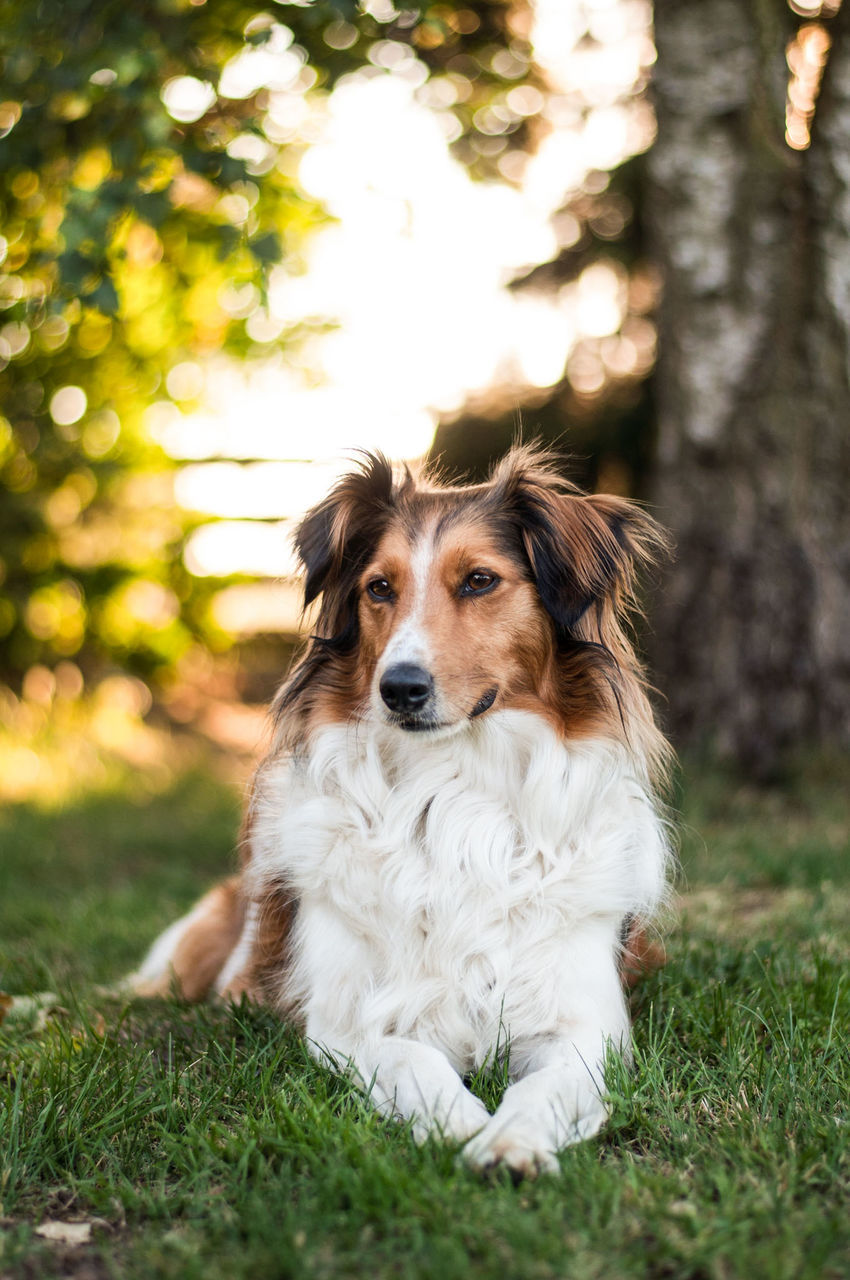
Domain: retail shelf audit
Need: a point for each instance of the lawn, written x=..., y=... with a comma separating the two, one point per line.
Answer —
x=203, y=1142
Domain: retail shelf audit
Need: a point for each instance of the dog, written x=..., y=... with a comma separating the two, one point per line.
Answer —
x=456, y=839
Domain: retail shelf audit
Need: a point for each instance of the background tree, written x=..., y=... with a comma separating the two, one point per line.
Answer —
x=752, y=466
x=740, y=437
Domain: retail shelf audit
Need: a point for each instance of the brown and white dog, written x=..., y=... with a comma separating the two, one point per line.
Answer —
x=457, y=825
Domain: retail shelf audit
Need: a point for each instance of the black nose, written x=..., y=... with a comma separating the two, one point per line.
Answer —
x=406, y=687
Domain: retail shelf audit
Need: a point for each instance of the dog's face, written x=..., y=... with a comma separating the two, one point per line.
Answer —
x=450, y=623
x=441, y=603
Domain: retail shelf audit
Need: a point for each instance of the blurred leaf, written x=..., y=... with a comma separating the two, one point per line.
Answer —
x=73, y=269
x=267, y=248
x=228, y=238
x=104, y=297
x=153, y=207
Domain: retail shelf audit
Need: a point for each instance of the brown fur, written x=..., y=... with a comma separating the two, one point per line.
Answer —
x=204, y=947
x=271, y=953
x=642, y=955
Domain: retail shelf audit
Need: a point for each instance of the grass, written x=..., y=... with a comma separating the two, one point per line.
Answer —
x=204, y=1142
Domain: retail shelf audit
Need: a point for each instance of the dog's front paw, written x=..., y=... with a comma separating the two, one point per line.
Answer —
x=528, y=1144
x=464, y=1117
x=513, y=1147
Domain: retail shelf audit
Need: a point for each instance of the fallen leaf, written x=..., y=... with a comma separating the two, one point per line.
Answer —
x=64, y=1232
x=5, y=1004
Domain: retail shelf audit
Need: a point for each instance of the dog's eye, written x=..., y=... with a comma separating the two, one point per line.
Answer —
x=478, y=582
x=380, y=589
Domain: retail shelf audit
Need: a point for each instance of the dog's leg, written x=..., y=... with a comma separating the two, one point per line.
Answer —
x=410, y=1080
x=345, y=1024
x=186, y=959
x=557, y=1097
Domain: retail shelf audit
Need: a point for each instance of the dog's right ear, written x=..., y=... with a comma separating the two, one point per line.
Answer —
x=337, y=536
x=583, y=549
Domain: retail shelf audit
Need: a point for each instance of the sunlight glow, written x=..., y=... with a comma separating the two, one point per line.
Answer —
x=258, y=606
x=241, y=546
x=404, y=295
x=258, y=490
x=264, y=413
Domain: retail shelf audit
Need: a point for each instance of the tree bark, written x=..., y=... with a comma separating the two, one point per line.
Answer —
x=751, y=642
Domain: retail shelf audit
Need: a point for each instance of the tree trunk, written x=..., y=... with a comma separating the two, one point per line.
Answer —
x=751, y=643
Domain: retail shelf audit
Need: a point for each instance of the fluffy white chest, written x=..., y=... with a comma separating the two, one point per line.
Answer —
x=439, y=882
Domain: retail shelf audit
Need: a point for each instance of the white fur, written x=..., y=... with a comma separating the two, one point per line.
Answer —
x=455, y=892
x=410, y=641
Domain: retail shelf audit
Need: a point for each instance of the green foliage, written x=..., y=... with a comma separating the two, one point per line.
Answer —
x=130, y=221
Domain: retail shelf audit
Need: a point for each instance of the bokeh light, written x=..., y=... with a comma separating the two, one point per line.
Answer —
x=186, y=98
x=807, y=54
x=67, y=405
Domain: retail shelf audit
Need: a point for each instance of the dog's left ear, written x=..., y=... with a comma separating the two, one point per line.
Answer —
x=581, y=548
x=339, y=532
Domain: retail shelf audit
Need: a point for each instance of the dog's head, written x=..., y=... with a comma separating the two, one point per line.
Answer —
x=444, y=602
